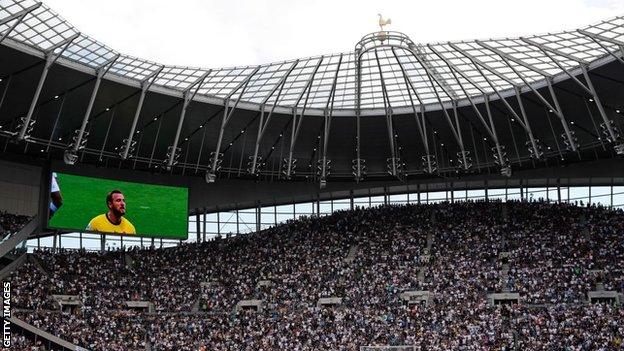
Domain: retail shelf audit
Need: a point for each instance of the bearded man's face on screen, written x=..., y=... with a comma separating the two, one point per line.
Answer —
x=117, y=204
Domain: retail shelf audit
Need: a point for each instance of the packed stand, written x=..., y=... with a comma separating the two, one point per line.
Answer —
x=552, y=254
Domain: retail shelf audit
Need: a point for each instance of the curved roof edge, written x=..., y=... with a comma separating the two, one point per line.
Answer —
x=395, y=79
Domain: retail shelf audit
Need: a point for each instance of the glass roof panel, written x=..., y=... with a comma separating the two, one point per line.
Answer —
x=445, y=70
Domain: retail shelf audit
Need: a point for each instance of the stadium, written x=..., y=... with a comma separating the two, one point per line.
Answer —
x=396, y=196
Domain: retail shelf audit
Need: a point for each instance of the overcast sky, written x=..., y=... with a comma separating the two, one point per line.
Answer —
x=214, y=34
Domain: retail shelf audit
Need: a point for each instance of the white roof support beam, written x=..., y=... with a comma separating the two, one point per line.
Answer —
x=420, y=120
x=596, y=38
x=189, y=95
x=327, y=118
x=454, y=68
x=145, y=85
x=499, y=150
x=513, y=59
x=564, y=122
x=297, y=118
x=613, y=137
x=455, y=127
x=19, y=17
x=475, y=61
x=70, y=153
x=419, y=50
x=588, y=87
x=601, y=37
x=50, y=58
x=227, y=115
x=549, y=53
x=522, y=118
x=388, y=110
x=554, y=51
x=264, y=122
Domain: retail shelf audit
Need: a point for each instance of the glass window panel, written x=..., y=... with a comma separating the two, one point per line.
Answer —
x=304, y=208
x=476, y=194
x=600, y=190
x=565, y=193
x=246, y=218
x=618, y=196
x=284, y=209
x=339, y=205
x=112, y=242
x=604, y=200
x=230, y=228
x=552, y=194
x=579, y=194
x=513, y=194
x=70, y=241
x=376, y=200
x=398, y=199
x=283, y=217
x=496, y=194
x=414, y=198
x=536, y=193
x=267, y=218
x=91, y=241
x=326, y=207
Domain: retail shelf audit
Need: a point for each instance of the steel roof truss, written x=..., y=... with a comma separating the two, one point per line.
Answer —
x=70, y=155
x=388, y=111
x=19, y=17
x=329, y=110
x=227, y=115
x=145, y=85
x=50, y=58
x=297, y=118
x=263, y=123
x=188, y=96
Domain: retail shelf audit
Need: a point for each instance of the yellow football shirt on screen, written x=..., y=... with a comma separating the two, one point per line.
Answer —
x=102, y=224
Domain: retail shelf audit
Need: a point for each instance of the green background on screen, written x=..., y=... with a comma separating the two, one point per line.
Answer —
x=155, y=210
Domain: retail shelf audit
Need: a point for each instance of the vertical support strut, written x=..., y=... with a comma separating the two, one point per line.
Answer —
x=70, y=156
x=389, y=126
x=455, y=127
x=227, y=115
x=522, y=120
x=607, y=123
x=145, y=85
x=329, y=111
x=420, y=120
x=297, y=121
x=189, y=94
x=589, y=88
x=263, y=124
x=50, y=58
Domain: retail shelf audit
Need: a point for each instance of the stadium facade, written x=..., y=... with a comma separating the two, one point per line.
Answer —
x=534, y=115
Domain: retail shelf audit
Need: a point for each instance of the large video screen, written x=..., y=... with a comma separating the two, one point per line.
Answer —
x=99, y=205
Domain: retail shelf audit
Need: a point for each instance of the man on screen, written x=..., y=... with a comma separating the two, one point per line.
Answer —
x=56, y=199
x=113, y=220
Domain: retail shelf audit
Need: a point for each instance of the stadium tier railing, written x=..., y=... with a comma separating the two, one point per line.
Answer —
x=21, y=236
x=59, y=343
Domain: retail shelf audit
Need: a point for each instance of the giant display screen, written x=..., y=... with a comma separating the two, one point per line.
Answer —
x=98, y=205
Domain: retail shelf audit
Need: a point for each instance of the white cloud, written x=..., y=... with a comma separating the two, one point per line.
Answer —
x=246, y=32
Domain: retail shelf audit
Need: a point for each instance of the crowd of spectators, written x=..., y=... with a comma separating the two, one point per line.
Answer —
x=10, y=223
x=551, y=254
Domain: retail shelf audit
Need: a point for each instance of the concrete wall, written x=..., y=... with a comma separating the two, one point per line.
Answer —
x=19, y=188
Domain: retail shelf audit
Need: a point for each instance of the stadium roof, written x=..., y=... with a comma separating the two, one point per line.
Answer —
x=437, y=72
x=534, y=101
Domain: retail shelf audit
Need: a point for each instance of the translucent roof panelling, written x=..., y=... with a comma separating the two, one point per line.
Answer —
x=428, y=73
